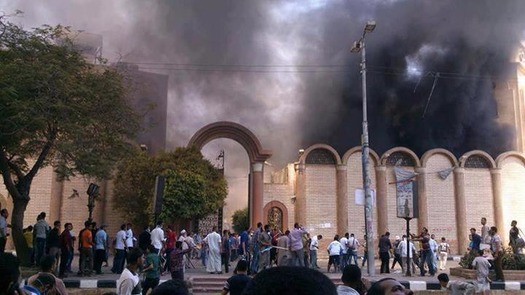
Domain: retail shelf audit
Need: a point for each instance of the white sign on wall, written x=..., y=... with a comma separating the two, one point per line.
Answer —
x=360, y=196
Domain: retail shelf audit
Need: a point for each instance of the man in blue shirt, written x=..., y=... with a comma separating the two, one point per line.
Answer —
x=476, y=240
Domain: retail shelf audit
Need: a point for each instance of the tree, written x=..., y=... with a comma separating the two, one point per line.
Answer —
x=56, y=109
x=240, y=220
x=194, y=188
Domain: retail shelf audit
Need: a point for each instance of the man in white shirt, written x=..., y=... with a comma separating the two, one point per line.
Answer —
x=129, y=281
x=130, y=239
x=314, y=246
x=213, y=240
x=344, y=245
x=353, y=245
x=157, y=237
x=402, y=247
x=120, y=250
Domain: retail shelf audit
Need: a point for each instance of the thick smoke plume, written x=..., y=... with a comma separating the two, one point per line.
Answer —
x=284, y=68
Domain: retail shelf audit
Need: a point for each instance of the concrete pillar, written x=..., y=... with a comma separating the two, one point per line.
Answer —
x=461, y=209
x=300, y=194
x=381, y=200
x=497, y=193
x=422, y=220
x=257, y=193
x=55, y=204
x=342, y=199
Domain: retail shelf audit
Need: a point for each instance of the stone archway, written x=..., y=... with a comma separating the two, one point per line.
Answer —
x=256, y=154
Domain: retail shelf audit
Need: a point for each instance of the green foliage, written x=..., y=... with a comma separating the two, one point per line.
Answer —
x=56, y=109
x=194, y=188
x=240, y=220
x=510, y=261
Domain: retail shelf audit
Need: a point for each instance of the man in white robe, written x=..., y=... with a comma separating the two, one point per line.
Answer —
x=213, y=240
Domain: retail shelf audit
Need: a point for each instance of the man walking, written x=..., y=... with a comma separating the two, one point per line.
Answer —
x=40, y=231
x=157, y=237
x=353, y=245
x=120, y=251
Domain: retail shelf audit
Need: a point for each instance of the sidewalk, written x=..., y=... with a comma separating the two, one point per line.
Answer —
x=415, y=282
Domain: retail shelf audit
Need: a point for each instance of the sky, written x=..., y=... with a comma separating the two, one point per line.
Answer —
x=285, y=71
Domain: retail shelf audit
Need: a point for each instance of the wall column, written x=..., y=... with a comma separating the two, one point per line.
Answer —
x=300, y=194
x=381, y=200
x=461, y=208
x=342, y=199
x=257, y=193
x=422, y=220
x=55, y=204
x=497, y=197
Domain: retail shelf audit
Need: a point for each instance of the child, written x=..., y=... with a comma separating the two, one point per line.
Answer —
x=152, y=270
x=482, y=265
x=455, y=287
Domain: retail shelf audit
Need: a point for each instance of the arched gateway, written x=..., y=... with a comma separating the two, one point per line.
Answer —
x=256, y=154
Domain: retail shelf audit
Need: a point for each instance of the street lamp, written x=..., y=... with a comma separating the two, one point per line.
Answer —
x=92, y=193
x=359, y=46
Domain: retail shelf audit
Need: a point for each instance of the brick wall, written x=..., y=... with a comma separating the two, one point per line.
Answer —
x=478, y=196
x=513, y=193
x=321, y=202
x=440, y=201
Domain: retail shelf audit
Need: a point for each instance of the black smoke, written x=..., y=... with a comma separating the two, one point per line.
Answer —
x=462, y=51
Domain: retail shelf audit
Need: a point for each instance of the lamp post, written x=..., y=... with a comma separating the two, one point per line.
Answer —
x=92, y=192
x=359, y=46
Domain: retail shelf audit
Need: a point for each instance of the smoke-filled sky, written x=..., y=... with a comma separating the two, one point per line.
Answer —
x=284, y=68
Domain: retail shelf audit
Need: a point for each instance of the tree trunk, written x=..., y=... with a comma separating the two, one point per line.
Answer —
x=17, y=222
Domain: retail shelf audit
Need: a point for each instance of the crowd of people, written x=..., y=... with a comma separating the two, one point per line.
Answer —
x=264, y=250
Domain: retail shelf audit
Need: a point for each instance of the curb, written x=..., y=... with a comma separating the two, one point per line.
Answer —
x=412, y=285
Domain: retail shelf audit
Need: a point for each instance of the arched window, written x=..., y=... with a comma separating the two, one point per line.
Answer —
x=477, y=161
x=321, y=156
x=275, y=218
x=400, y=159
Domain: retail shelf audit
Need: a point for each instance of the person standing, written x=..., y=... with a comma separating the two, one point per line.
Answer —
x=334, y=250
x=40, y=231
x=283, y=253
x=213, y=240
x=171, y=238
x=476, y=240
x=485, y=233
x=129, y=282
x=314, y=247
x=145, y=239
x=151, y=270
x=482, y=265
x=66, y=249
x=498, y=251
x=4, y=214
x=265, y=242
x=365, y=251
x=86, y=244
x=397, y=254
x=236, y=283
x=353, y=245
x=514, y=234
x=101, y=246
x=53, y=240
x=225, y=250
x=120, y=251
x=255, y=249
x=157, y=237
x=296, y=245
x=384, y=252
x=406, y=250
x=130, y=239
x=344, y=253
x=443, y=251
x=177, y=261
x=426, y=252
